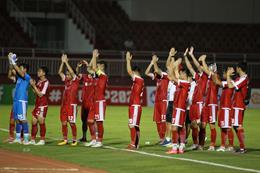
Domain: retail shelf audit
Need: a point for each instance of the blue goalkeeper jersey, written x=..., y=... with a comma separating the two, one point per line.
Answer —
x=21, y=88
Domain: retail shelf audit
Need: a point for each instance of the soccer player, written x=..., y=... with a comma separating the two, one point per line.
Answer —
x=201, y=79
x=87, y=107
x=135, y=108
x=181, y=77
x=240, y=84
x=209, y=112
x=224, y=112
x=99, y=100
x=170, y=97
x=160, y=104
x=68, y=112
x=41, y=105
x=20, y=98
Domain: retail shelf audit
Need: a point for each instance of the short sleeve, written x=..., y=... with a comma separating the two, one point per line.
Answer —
x=241, y=82
x=45, y=87
x=27, y=77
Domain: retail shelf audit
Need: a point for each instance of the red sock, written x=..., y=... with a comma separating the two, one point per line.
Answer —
x=175, y=136
x=195, y=133
x=133, y=135
x=163, y=130
x=223, y=137
x=231, y=137
x=100, y=129
x=65, y=132
x=34, y=131
x=42, y=131
x=11, y=130
x=213, y=136
x=182, y=135
x=74, y=131
x=241, y=138
x=202, y=135
x=92, y=130
x=159, y=129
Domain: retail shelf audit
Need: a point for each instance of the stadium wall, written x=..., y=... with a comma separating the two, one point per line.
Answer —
x=222, y=11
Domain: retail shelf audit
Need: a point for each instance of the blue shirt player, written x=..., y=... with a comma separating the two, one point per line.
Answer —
x=20, y=98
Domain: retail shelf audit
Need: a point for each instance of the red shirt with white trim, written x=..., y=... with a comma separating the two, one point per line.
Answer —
x=100, y=88
x=43, y=88
x=161, y=87
x=180, y=98
x=70, y=94
x=88, y=89
x=136, y=90
x=241, y=87
x=212, y=92
x=226, y=96
x=199, y=92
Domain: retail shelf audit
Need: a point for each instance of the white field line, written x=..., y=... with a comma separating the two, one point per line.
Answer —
x=174, y=158
x=40, y=169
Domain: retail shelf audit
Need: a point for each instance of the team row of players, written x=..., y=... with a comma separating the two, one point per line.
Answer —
x=180, y=89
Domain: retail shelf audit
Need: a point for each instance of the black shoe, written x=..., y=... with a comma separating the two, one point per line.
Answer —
x=241, y=151
x=83, y=140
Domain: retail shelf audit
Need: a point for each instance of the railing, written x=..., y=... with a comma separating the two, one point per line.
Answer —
x=116, y=61
x=81, y=20
x=21, y=19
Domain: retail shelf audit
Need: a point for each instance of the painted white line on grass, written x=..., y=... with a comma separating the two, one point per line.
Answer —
x=186, y=159
x=174, y=158
x=40, y=169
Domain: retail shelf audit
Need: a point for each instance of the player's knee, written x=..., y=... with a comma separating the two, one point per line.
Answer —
x=64, y=123
x=174, y=128
x=131, y=126
x=194, y=124
x=90, y=121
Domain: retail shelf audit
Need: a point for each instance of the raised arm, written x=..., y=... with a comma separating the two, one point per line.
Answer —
x=216, y=79
x=187, y=62
x=204, y=64
x=60, y=72
x=12, y=59
x=11, y=73
x=172, y=53
x=174, y=70
x=148, y=70
x=128, y=64
x=79, y=65
x=93, y=61
x=155, y=65
x=66, y=62
x=196, y=63
x=230, y=72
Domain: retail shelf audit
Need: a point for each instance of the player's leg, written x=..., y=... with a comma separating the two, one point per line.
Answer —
x=167, y=141
x=91, y=126
x=84, y=119
x=64, y=127
x=72, y=116
x=238, y=127
x=187, y=126
x=212, y=112
x=11, y=127
x=157, y=120
x=182, y=132
x=203, y=124
x=41, y=119
x=194, y=117
x=34, y=130
x=22, y=110
x=100, y=109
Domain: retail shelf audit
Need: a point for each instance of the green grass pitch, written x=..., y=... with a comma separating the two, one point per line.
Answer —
x=117, y=135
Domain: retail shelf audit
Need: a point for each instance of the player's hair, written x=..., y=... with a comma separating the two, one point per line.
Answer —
x=45, y=69
x=242, y=65
x=103, y=63
x=24, y=65
x=136, y=68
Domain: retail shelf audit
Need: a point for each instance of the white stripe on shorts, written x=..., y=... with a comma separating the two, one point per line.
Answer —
x=226, y=118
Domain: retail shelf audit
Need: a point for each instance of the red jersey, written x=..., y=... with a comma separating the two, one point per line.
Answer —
x=100, y=88
x=136, y=90
x=43, y=88
x=88, y=89
x=161, y=87
x=182, y=94
x=199, y=92
x=70, y=94
x=226, y=96
x=241, y=87
x=212, y=92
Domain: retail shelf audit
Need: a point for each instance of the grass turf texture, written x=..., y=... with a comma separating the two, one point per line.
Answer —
x=117, y=135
